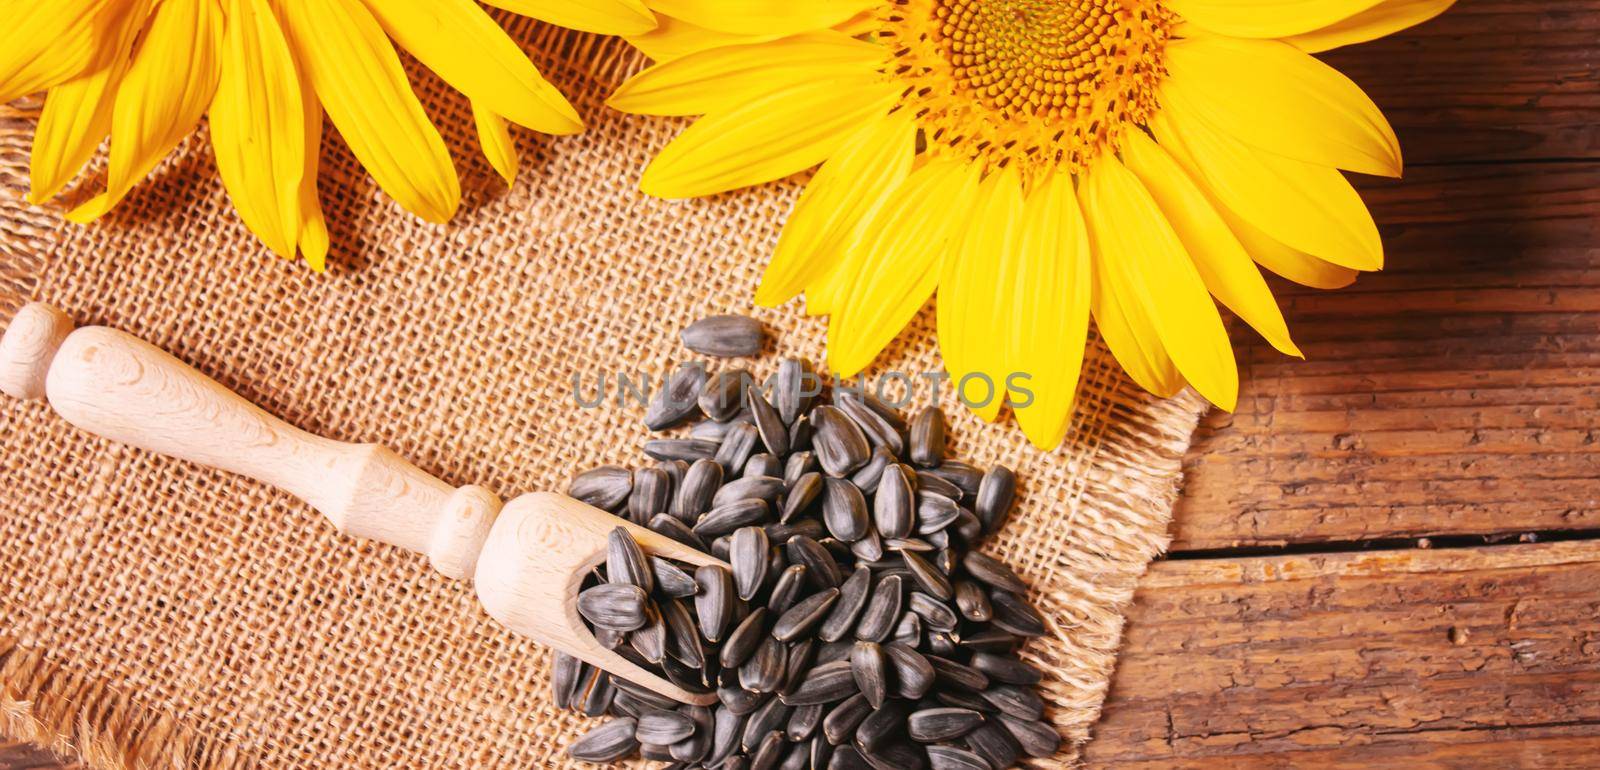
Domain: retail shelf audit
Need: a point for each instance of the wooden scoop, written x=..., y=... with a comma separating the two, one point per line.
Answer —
x=527, y=559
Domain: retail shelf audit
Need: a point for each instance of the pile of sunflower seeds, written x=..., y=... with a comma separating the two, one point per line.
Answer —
x=857, y=630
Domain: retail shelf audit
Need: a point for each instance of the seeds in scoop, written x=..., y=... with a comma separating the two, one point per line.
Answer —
x=686, y=449
x=935, y=614
x=935, y=512
x=683, y=641
x=995, y=495
x=676, y=401
x=804, y=616
x=744, y=640
x=993, y=572
x=952, y=758
x=955, y=674
x=564, y=678
x=913, y=674
x=867, y=477
x=839, y=443
x=618, y=607
x=1014, y=614
x=626, y=562
x=650, y=641
x=1019, y=702
x=786, y=591
x=606, y=487
x=726, y=519
x=769, y=426
x=930, y=579
x=736, y=448
x=724, y=336
x=878, y=431
x=867, y=666
x=973, y=601
x=700, y=484
x=927, y=437
x=663, y=728
x=882, y=725
x=852, y=598
x=995, y=745
x=892, y=503
x=821, y=568
x=827, y=683
x=844, y=510
x=764, y=671
x=790, y=389
x=748, y=555
x=882, y=611
x=714, y=604
x=766, y=719
x=723, y=394
x=942, y=724
x=802, y=493
x=607, y=743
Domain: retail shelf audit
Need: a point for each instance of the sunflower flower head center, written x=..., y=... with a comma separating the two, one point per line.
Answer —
x=1039, y=84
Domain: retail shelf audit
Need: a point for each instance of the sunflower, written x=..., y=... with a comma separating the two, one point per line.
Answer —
x=145, y=71
x=1036, y=163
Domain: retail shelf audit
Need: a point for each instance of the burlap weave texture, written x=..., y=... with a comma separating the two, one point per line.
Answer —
x=154, y=614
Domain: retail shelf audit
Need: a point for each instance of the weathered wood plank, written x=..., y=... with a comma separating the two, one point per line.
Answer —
x=1454, y=393
x=1480, y=657
x=1490, y=80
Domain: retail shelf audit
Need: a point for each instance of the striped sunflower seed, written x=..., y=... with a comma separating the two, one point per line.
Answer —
x=769, y=752
x=883, y=609
x=710, y=430
x=652, y=490
x=953, y=758
x=724, y=336
x=696, y=746
x=744, y=640
x=913, y=674
x=878, y=431
x=1006, y=668
x=936, y=725
x=771, y=716
x=820, y=754
x=827, y=683
x=741, y=701
x=618, y=607
x=995, y=745
x=763, y=465
x=607, y=743
x=802, y=493
x=700, y=484
x=995, y=495
x=648, y=698
x=1036, y=738
x=748, y=554
x=990, y=640
x=934, y=613
x=992, y=571
x=663, y=524
x=954, y=674
x=973, y=601
x=934, y=485
x=844, y=510
x=725, y=519
x=726, y=728
x=868, y=549
x=764, y=488
x=677, y=400
x=1014, y=614
x=564, y=678
x=786, y=591
x=683, y=641
x=770, y=427
x=803, y=722
x=892, y=503
x=802, y=656
x=867, y=666
x=792, y=389
x=723, y=394
x=821, y=568
x=626, y=562
x=663, y=728
x=883, y=725
x=848, y=758
x=966, y=477
x=927, y=437
x=840, y=724
x=929, y=578
x=967, y=527
x=941, y=643
x=1020, y=702
x=595, y=694
x=764, y=671
x=650, y=641
x=686, y=449
x=935, y=512
x=804, y=616
x=868, y=476
x=839, y=443
x=798, y=465
x=779, y=532
x=802, y=434
x=852, y=598
x=737, y=447
x=714, y=604
x=606, y=487
x=908, y=630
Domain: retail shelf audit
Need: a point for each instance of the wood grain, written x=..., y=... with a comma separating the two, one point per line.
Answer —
x=1451, y=658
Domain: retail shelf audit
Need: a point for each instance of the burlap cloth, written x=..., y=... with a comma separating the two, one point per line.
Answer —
x=154, y=614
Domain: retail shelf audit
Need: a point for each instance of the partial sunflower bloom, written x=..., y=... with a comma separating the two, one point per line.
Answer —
x=1033, y=164
x=144, y=72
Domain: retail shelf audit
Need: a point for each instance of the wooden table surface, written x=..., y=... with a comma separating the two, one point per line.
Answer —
x=1389, y=556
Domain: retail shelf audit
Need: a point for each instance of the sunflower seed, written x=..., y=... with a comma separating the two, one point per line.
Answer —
x=735, y=762
x=955, y=674
x=764, y=720
x=1014, y=614
x=667, y=526
x=650, y=641
x=786, y=591
x=722, y=396
x=725, y=519
x=595, y=694
x=1036, y=738
x=913, y=674
x=804, y=616
x=935, y=512
x=714, y=604
x=896, y=756
x=933, y=485
x=764, y=671
x=869, y=548
x=844, y=510
x=606, y=487
x=764, y=488
x=741, y=701
x=803, y=722
x=763, y=465
x=710, y=430
x=963, y=699
x=724, y=336
x=935, y=614
x=1006, y=668
x=942, y=724
x=993, y=572
x=892, y=504
x=625, y=705
x=607, y=743
x=973, y=601
x=769, y=752
x=700, y=484
x=927, y=437
x=941, y=643
x=882, y=725
x=802, y=656
x=655, y=752
x=930, y=579
x=868, y=476
x=834, y=651
x=840, y=724
x=769, y=426
x=748, y=555
x=695, y=747
x=866, y=665
x=618, y=607
x=877, y=430
x=821, y=568
x=952, y=758
x=820, y=752
x=663, y=728
x=946, y=561
x=967, y=527
x=828, y=682
x=687, y=449
x=989, y=640
x=909, y=544
x=792, y=389
x=995, y=745
x=847, y=758
x=839, y=443
x=802, y=434
x=676, y=401
x=1019, y=702
x=726, y=727
x=736, y=448
x=852, y=598
x=883, y=609
x=995, y=495
x=802, y=493
x=625, y=561
x=744, y=640
x=779, y=532
x=652, y=489
x=609, y=638
x=797, y=466
x=564, y=678
x=908, y=630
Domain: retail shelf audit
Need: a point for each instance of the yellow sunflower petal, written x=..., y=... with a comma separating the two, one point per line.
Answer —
x=165, y=91
x=849, y=187
x=674, y=38
x=494, y=136
x=1276, y=97
x=1310, y=208
x=722, y=78
x=44, y=44
x=258, y=126
x=313, y=225
x=605, y=17
x=763, y=17
x=783, y=132
x=1149, y=274
x=1049, y=312
x=357, y=75
x=461, y=43
x=976, y=293
x=1132, y=337
x=1220, y=258
x=900, y=266
x=1382, y=20
x=1267, y=18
